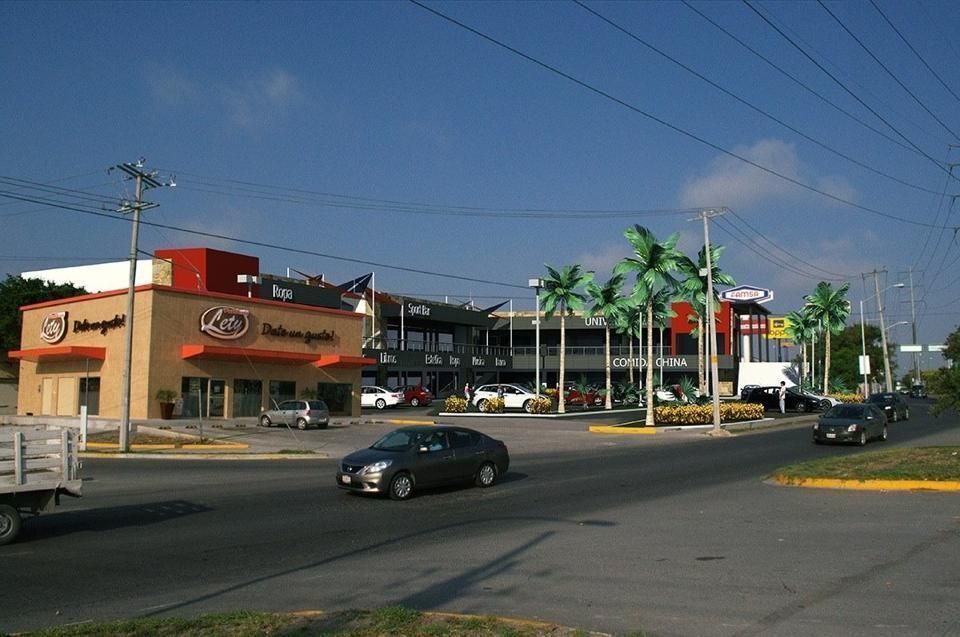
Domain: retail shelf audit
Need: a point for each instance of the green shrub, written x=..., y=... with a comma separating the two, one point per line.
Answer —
x=492, y=406
x=848, y=398
x=703, y=414
x=541, y=405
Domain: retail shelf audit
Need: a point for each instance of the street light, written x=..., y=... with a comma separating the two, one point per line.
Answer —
x=537, y=284
x=883, y=338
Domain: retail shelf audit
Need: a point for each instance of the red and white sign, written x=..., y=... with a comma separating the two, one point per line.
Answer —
x=225, y=323
x=747, y=294
x=54, y=327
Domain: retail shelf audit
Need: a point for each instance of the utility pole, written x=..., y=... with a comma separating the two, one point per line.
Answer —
x=883, y=332
x=913, y=323
x=705, y=214
x=144, y=181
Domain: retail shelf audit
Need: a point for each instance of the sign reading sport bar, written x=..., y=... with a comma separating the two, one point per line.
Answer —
x=219, y=355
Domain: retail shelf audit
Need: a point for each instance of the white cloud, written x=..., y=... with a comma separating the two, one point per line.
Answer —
x=733, y=183
x=603, y=259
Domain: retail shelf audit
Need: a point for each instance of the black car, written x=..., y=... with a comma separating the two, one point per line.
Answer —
x=769, y=397
x=851, y=423
x=918, y=391
x=892, y=404
x=424, y=456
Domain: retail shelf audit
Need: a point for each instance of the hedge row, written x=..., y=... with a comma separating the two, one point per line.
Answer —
x=703, y=414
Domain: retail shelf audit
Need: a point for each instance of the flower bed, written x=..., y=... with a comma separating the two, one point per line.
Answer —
x=455, y=405
x=541, y=405
x=492, y=406
x=703, y=414
x=848, y=398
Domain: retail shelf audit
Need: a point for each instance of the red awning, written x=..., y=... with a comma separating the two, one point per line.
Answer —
x=338, y=361
x=245, y=354
x=61, y=353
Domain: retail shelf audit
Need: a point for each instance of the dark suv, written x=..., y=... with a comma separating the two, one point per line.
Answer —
x=769, y=397
x=892, y=404
x=918, y=391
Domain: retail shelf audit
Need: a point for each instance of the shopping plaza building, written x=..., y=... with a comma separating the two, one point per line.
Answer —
x=227, y=340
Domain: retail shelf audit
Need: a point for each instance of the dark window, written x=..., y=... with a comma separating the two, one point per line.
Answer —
x=90, y=395
x=462, y=439
x=246, y=397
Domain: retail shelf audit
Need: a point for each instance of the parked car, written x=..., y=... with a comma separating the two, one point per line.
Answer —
x=826, y=402
x=769, y=397
x=514, y=396
x=892, y=404
x=573, y=396
x=424, y=456
x=373, y=396
x=918, y=391
x=299, y=413
x=851, y=423
x=745, y=391
x=415, y=395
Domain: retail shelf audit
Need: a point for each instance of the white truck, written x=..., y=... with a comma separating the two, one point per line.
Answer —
x=37, y=465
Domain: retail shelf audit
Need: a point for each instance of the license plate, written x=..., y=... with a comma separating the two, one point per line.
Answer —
x=345, y=479
x=831, y=435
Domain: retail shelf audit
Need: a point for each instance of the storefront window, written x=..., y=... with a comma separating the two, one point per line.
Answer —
x=246, y=397
x=90, y=395
x=337, y=396
x=281, y=390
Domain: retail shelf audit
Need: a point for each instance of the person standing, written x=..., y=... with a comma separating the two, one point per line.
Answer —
x=782, y=395
x=466, y=392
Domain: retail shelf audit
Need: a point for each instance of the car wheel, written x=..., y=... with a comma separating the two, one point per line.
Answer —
x=883, y=434
x=9, y=524
x=414, y=402
x=486, y=475
x=863, y=438
x=805, y=406
x=528, y=406
x=825, y=404
x=481, y=403
x=896, y=416
x=816, y=440
x=381, y=403
x=324, y=425
x=301, y=423
x=401, y=486
x=906, y=414
x=265, y=421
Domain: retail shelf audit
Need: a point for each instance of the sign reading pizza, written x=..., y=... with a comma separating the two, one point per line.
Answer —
x=747, y=294
x=225, y=323
x=54, y=327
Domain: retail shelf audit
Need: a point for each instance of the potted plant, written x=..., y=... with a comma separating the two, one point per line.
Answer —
x=166, y=398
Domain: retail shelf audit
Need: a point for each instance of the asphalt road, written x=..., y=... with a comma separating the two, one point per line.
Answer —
x=670, y=534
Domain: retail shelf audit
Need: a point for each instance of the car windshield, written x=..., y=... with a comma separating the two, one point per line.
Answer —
x=880, y=398
x=399, y=440
x=845, y=411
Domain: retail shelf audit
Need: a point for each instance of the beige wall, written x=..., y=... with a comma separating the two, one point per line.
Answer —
x=165, y=320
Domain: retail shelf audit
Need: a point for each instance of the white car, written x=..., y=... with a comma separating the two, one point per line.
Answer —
x=514, y=396
x=373, y=396
x=824, y=400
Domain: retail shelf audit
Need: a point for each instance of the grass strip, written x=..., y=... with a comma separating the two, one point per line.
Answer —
x=922, y=463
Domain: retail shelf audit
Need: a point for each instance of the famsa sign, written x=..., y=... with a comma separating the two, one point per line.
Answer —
x=746, y=294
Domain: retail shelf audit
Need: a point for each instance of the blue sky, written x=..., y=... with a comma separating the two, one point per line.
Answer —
x=382, y=132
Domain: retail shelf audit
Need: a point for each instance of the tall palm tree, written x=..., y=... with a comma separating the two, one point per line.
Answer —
x=629, y=322
x=662, y=303
x=560, y=295
x=654, y=263
x=800, y=329
x=609, y=303
x=831, y=308
x=694, y=291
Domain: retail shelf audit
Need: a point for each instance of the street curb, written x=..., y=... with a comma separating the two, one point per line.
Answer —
x=207, y=456
x=869, y=485
x=401, y=421
x=546, y=627
x=226, y=446
x=620, y=429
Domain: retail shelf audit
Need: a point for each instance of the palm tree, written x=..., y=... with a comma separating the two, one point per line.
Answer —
x=831, y=308
x=694, y=291
x=662, y=303
x=629, y=322
x=560, y=295
x=654, y=263
x=609, y=303
x=800, y=328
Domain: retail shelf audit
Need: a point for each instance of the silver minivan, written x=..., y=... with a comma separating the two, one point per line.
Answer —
x=299, y=413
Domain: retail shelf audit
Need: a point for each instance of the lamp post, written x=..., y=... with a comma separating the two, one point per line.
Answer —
x=537, y=284
x=883, y=336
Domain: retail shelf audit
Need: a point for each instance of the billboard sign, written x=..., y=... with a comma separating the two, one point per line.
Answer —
x=747, y=294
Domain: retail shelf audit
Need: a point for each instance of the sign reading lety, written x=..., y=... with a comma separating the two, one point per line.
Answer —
x=225, y=323
x=54, y=327
x=746, y=294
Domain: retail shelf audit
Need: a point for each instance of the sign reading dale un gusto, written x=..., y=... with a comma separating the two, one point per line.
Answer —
x=230, y=323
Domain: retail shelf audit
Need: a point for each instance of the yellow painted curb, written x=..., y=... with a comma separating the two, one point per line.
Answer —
x=187, y=446
x=401, y=421
x=870, y=485
x=224, y=446
x=145, y=447
x=629, y=431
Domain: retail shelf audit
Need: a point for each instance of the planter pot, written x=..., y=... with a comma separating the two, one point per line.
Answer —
x=166, y=410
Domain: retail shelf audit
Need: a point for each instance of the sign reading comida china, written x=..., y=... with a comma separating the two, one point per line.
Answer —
x=225, y=323
x=746, y=294
x=54, y=327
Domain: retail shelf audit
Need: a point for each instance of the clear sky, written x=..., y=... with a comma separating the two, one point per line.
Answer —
x=529, y=133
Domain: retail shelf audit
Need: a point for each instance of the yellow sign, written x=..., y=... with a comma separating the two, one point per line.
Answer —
x=777, y=327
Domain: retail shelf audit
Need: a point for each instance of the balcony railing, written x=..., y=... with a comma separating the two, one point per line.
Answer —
x=499, y=350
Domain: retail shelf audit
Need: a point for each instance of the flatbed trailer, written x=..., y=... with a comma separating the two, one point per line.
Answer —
x=38, y=464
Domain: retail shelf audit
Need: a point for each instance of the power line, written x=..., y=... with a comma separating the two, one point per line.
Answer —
x=886, y=69
x=750, y=105
x=662, y=121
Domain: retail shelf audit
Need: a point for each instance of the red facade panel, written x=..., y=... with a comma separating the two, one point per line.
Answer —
x=209, y=269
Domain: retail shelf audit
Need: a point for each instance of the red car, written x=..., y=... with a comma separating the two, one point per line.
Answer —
x=572, y=396
x=416, y=395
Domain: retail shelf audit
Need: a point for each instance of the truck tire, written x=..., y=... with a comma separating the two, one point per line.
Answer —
x=9, y=524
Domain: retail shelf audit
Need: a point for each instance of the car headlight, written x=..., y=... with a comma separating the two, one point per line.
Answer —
x=376, y=467
x=816, y=426
x=852, y=428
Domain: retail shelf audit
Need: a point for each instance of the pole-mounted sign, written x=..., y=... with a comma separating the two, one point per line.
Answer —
x=747, y=294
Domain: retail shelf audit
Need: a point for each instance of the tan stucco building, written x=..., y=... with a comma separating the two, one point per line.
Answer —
x=220, y=355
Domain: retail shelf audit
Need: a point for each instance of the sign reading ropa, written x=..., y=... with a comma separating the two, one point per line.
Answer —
x=747, y=294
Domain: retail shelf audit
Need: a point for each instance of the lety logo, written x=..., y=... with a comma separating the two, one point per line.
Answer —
x=225, y=323
x=54, y=327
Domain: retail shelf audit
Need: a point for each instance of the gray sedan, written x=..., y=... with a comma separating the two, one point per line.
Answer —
x=424, y=456
x=851, y=423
